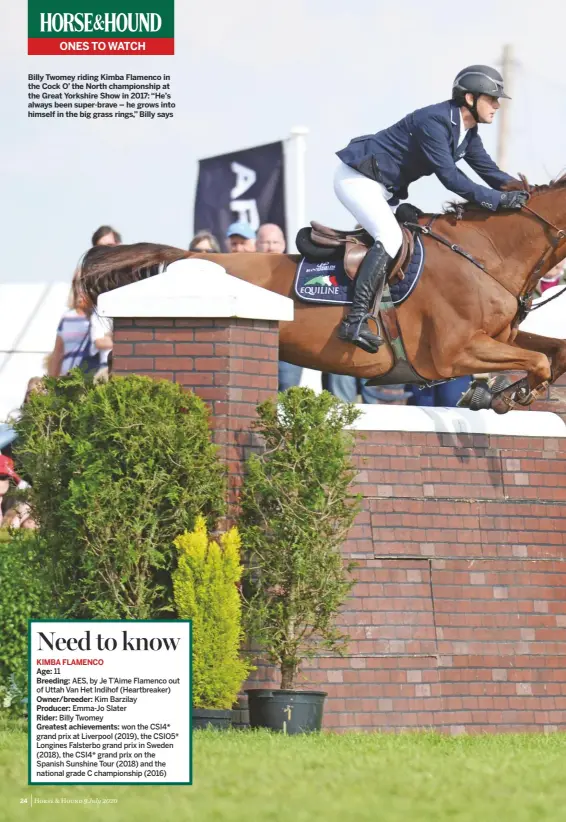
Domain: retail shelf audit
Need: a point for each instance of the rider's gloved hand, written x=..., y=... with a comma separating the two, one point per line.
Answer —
x=513, y=199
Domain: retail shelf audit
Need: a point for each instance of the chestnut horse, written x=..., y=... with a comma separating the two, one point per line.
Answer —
x=459, y=319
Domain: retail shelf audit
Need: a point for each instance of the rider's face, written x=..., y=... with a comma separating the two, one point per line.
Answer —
x=487, y=106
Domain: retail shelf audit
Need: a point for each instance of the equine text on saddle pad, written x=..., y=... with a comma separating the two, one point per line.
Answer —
x=327, y=282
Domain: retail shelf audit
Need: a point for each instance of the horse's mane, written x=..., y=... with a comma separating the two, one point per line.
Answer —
x=106, y=267
x=522, y=184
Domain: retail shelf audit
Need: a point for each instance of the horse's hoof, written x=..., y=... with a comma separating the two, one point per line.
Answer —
x=497, y=386
x=499, y=405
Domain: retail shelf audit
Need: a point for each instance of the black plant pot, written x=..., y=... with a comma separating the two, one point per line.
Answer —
x=292, y=712
x=205, y=718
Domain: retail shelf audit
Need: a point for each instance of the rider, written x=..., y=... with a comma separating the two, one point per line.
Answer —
x=376, y=170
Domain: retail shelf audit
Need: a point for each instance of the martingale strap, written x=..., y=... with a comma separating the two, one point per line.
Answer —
x=426, y=229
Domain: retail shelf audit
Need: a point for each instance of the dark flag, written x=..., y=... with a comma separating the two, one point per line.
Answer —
x=243, y=186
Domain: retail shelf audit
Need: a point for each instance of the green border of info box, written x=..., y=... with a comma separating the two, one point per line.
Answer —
x=124, y=622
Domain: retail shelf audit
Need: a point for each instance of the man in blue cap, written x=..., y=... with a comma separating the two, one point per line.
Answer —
x=240, y=237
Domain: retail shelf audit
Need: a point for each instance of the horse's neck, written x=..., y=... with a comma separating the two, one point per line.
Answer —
x=523, y=242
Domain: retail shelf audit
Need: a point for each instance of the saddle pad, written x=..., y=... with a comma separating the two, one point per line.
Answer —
x=323, y=282
x=328, y=282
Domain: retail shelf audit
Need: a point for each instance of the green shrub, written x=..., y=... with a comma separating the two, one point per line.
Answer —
x=117, y=471
x=296, y=513
x=25, y=594
x=205, y=587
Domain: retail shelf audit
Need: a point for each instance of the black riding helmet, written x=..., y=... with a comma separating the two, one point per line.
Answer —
x=477, y=80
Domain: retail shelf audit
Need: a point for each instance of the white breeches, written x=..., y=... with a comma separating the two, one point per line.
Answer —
x=367, y=199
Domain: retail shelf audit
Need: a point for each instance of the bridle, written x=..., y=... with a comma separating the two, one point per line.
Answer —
x=525, y=296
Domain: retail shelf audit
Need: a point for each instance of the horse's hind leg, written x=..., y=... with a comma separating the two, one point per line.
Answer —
x=554, y=348
x=486, y=354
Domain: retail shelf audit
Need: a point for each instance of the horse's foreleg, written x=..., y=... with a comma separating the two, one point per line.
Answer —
x=486, y=354
x=552, y=347
x=483, y=353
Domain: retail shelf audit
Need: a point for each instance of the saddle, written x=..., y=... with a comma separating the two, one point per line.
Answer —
x=356, y=243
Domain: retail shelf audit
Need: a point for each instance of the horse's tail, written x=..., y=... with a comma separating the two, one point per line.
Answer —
x=106, y=267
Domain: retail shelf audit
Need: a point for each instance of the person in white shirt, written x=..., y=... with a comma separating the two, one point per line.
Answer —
x=101, y=329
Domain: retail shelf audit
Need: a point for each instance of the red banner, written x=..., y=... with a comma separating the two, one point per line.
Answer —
x=106, y=45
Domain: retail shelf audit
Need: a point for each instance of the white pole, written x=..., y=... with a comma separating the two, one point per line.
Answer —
x=503, y=136
x=297, y=212
x=297, y=215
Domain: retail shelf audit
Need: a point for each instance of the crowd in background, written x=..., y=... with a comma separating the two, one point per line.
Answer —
x=83, y=340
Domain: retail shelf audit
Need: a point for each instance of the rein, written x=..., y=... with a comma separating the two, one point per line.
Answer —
x=560, y=232
x=556, y=241
x=525, y=300
x=548, y=300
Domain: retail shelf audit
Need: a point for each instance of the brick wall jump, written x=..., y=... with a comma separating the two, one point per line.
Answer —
x=232, y=364
x=458, y=617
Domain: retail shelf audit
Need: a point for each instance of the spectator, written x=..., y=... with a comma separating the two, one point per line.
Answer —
x=106, y=235
x=270, y=239
x=205, y=242
x=553, y=277
x=289, y=375
x=18, y=514
x=73, y=340
x=240, y=237
x=84, y=340
x=101, y=329
x=35, y=385
x=347, y=389
x=7, y=433
x=445, y=395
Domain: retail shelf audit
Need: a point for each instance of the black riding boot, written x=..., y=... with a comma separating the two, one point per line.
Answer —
x=368, y=286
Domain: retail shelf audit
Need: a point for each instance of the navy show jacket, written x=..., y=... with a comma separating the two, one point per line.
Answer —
x=425, y=142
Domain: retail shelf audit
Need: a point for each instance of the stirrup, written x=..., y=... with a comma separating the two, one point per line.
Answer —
x=365, y=319
x=356, y=337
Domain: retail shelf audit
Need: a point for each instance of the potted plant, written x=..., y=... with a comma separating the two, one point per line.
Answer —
x=206, y=590
x=296, y=513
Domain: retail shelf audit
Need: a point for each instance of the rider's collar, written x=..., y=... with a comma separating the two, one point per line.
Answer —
x=454, y=113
